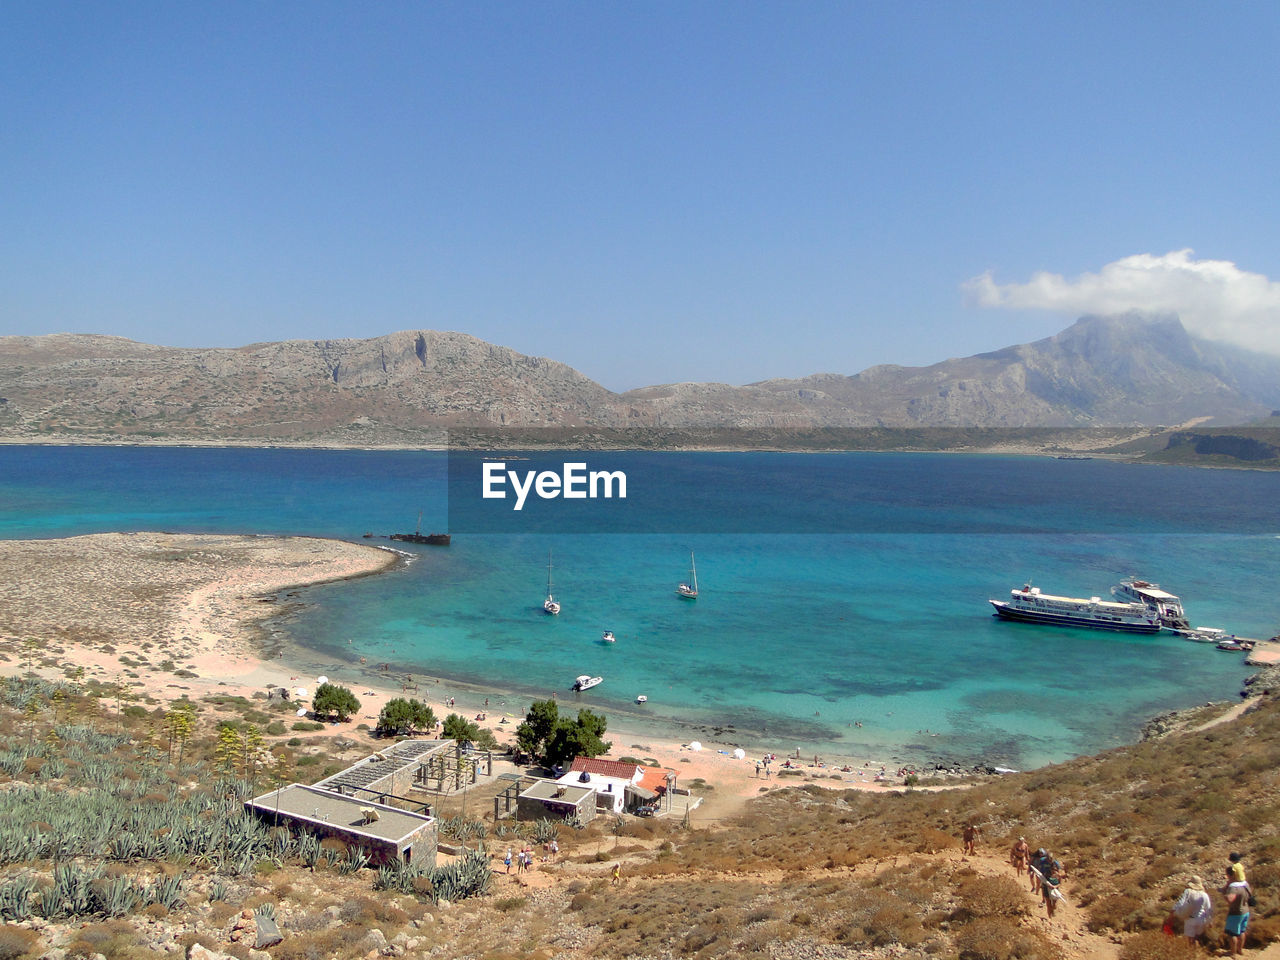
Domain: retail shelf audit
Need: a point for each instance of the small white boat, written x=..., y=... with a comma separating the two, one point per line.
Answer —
x=1195, y=636
x=642, y=699
x=608, y=637
x=550, y=605
x=689, y=590
x=586, y=683
x=1207, y=634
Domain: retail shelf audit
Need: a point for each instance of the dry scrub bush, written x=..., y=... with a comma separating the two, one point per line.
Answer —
x=15, y=942
x=932, y=840
x=1118, y=911
x=997, y=938
x=992, y=897
x=877, y=918
x=1154, y=945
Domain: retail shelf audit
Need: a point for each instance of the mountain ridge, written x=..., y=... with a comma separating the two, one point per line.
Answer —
x=408, y=386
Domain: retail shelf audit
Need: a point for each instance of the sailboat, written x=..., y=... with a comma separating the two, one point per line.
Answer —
x=550, y=605
x=689, y=591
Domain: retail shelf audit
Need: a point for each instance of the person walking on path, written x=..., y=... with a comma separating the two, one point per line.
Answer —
x=1238, y=896
x=1020, y=856
x=617, y=872
x=971, y=833
x=1237, y=868
x=1051, y=874
x=1194, y=909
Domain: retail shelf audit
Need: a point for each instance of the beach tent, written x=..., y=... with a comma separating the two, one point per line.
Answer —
x=695, y=745
x=739, y=754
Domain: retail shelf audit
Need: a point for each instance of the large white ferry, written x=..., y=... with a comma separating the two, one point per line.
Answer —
x=1132, y=590
x=1030, y=605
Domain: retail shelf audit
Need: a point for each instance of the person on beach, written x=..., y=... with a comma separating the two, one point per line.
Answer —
x=506, y=861
x=617, y=872
x=1193, y=908
x=971, y=833
x=1238, y=894
x=1020, y=855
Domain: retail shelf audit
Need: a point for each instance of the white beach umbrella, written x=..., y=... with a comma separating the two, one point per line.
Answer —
x=300, y=692
x=739, y=754
x=695, y=745
x=320, y=680
x=302, y=711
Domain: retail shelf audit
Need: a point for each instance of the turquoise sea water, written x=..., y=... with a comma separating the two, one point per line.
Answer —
x=797, y=636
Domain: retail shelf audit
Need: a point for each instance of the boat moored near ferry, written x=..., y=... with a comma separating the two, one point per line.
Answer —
x=1031, y=606
x=1133, y=590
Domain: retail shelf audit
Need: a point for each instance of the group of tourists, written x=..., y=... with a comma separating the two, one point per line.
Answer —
x=1044, y=872
x=523, y=858
x=1195, y=908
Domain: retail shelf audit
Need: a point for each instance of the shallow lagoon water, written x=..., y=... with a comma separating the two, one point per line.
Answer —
x=798, y=636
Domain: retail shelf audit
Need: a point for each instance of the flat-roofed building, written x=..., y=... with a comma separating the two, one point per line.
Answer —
x=385, y=832
x=556, y=801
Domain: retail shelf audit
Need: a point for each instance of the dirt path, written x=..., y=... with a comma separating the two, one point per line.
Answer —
x=1068, y=923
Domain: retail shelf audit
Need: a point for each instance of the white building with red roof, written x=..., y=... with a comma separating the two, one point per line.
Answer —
x=619, y=786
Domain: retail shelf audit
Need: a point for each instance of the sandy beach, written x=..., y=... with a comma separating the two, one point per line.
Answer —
x=167, y=615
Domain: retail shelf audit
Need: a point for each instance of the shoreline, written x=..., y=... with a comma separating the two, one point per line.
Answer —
x=167, y=616
x=191, y=615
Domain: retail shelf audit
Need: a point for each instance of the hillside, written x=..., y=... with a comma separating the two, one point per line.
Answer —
x=804, y=871
x=406, y=388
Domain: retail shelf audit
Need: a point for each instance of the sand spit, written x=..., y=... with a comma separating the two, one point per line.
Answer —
x=168, y=615
x=113, y=602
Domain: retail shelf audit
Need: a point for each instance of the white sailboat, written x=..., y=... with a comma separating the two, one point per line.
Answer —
x=689, y=591
x=550, y=605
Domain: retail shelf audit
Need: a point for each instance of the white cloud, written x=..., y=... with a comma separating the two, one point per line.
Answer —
x=1215, y=298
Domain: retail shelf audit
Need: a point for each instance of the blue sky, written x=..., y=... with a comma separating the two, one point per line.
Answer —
x=649, y=192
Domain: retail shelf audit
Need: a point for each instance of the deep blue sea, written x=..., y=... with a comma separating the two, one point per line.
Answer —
x=843, y=606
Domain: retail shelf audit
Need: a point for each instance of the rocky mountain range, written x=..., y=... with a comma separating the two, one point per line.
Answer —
x=407, y=387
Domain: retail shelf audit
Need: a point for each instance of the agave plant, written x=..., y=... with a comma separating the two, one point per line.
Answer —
x=357, y=859
x=15, y=899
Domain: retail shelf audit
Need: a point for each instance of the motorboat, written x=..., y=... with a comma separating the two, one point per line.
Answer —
x=608, y=637
x=586, y=683
x=1235, y=643
x=1195, y=637
x=642, y=699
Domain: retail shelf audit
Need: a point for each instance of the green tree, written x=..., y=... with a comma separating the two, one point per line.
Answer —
x=332, y=700
x=539, y=723
x=401, y=716
x=460, y=728
x=577, y=738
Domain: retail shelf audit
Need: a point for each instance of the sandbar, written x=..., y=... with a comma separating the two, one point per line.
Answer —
x=167, y=615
